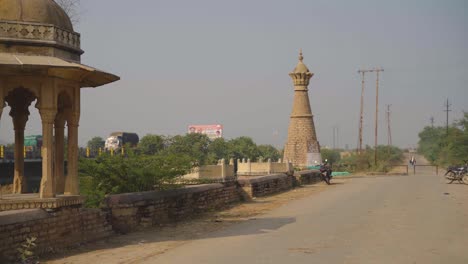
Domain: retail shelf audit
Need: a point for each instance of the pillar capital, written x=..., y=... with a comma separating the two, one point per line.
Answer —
x=20, y=118
x=73, y=118
x=48, y=115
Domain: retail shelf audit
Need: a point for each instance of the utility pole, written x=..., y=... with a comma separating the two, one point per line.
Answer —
x=363, y=72
x=361, y=116
x=389, y=126
x=432, y=121
x=336, y=137
x=377, y=71
x=447, y=109
x=334, y=145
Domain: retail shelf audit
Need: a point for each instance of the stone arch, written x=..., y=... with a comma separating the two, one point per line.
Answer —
x=19, y=99
x=34, y=91
x=64, y=102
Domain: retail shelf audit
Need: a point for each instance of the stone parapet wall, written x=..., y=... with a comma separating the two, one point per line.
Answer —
x=137, y=210
x=220, y=171
x=54, y=229
x=248, y=168
x=265, y=185
x=70, y=226
x=307, y=177
x=40, y=33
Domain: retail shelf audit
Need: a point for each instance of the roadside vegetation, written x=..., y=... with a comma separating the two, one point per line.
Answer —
x=157, y=161
x=387, y=157
x=442, y=148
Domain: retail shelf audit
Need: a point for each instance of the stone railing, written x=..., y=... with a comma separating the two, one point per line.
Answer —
x=40, y=33
x=248, y=168
x=219, y=171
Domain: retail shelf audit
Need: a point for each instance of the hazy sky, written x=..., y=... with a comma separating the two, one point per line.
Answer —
x=227, y=62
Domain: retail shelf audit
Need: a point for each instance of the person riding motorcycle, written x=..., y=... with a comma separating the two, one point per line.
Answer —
x=326, y=171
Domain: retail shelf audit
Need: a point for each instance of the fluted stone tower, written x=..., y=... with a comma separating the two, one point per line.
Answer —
x=302, y=147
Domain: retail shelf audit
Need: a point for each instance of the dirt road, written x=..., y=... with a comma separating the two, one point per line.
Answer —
x=399, y=219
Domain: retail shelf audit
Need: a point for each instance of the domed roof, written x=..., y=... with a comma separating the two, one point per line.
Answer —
x=301, y=67
x=35, y=11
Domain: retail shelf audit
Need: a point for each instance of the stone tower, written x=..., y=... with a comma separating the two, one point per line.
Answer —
x=302, y=147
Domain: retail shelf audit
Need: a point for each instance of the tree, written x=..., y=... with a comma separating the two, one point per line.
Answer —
x=243, y=147
x=331, y=155
x=193, y=145
x=269, y=152
x=218, y=149
x=460, y=140
x=95, y=143
x=151, y=144
x=71, y=8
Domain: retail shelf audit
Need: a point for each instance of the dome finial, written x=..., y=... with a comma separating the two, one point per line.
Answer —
x=300, y=55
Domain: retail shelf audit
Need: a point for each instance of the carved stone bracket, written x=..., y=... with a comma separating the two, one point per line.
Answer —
x=73, y=119
x=48, y=115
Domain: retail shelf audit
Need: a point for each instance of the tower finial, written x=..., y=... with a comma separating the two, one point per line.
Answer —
x=300, y=55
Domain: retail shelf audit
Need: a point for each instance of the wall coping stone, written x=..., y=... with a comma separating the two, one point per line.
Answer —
x=20, y=216
x=119, y=200
x=261, y=179
x=304, y=172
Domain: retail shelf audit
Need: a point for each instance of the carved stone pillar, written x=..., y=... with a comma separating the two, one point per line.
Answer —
x=2, y=103
x=71, y=182
x=47, y=183
x=59, y=152
x=19, y=122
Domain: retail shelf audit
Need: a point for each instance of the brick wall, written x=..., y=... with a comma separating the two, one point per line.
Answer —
x=54, y=229
x=136, y=210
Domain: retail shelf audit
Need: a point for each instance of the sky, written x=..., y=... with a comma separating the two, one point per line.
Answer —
x=227, y=62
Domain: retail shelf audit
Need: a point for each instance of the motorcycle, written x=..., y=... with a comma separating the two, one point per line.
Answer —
x=326, y=173
x=457, y=173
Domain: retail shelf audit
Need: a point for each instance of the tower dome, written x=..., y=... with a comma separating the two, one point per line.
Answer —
x=37, y=27
x=35, y=11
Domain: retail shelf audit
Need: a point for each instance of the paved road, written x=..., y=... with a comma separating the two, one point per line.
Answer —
x=401, y=219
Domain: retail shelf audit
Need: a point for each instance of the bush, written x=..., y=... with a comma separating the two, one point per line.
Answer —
x=134, y=173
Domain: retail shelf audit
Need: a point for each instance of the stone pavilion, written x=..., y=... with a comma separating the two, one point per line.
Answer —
x=40, y=61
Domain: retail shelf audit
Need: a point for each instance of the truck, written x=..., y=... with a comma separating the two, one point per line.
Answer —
x=117, y=140
x=32, y=146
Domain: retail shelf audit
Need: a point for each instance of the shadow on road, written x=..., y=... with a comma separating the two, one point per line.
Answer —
x=182, y=232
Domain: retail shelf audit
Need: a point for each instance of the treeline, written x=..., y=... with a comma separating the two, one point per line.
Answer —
x=199, y=147
x=156, y=162
x=442, y=147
